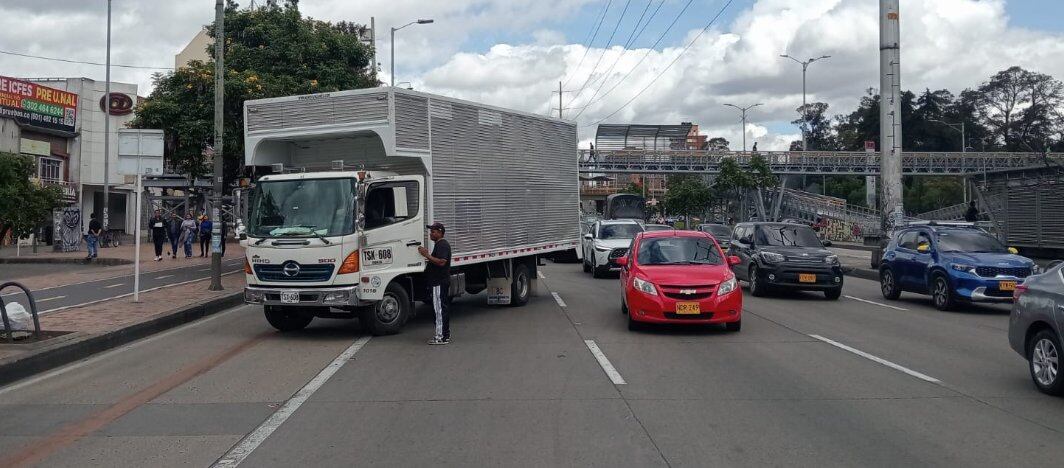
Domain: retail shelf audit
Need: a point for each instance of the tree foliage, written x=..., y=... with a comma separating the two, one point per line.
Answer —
x=24, y=205
x=686, y=194
x=269, y=51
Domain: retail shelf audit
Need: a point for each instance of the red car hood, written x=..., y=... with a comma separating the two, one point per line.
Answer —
x=685, y=275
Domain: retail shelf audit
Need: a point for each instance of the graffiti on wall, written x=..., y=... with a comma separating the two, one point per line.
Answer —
x=838, y=230
x=67, y=225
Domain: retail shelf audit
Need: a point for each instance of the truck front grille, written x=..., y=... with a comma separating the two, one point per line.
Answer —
x=305, y=273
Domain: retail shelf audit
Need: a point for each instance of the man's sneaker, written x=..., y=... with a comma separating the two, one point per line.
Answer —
x=438, y=341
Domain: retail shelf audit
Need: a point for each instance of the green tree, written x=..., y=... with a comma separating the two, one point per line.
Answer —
x=269, y=51
x=817, y=128
x=24, y=204
x=1022, y=108
x=686, y=194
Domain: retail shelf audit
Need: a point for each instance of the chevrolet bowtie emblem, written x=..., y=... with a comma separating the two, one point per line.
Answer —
x=688, y=291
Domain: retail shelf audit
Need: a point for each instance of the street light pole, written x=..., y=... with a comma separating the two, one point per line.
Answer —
x=743, y=110
x=219, y=133
x=805, y=112
x=420, y=21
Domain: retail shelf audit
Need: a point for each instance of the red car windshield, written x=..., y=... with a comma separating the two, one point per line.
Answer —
x=679, y=251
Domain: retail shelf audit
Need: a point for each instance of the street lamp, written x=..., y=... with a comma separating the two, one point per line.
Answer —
x=805, y=113
x=959, y=127
x=420, y=21
x=743, y=110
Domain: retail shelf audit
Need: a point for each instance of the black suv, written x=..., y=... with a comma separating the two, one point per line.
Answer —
x=784, y=256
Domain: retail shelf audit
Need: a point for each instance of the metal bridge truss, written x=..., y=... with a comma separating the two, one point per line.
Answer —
x=808, y=162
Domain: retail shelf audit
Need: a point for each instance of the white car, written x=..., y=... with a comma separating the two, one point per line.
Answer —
x=608, y=241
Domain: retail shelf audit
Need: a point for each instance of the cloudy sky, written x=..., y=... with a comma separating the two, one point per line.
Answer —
x=621, y=61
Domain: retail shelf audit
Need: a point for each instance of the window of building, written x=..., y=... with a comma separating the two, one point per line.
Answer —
x=50, y=169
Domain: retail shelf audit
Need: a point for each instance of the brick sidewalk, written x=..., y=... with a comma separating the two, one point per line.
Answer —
x=105, y=317
x=57, y=274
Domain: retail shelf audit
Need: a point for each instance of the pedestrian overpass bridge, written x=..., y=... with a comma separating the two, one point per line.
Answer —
x=649, y=161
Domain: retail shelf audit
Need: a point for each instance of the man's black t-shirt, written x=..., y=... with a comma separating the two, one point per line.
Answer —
x=439, y=275
x=158, y=227
x=94, y=227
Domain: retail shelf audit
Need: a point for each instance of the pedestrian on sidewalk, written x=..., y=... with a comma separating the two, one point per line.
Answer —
x=158, y=226
x=188, y=233
x=174, y=232
x=972, y=215
x=205, y=226
x=438, y=278
x=92, y=238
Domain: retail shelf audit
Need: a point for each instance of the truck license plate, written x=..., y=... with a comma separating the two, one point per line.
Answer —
x=289, y=297
x=806, y=277
x=685, y=308
x=1007, y=285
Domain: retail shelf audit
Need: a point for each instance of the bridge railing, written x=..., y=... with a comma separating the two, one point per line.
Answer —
x=806, y=162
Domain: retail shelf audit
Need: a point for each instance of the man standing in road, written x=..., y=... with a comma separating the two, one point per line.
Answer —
x=438, y=277
x=157, y=224
x=92, y=239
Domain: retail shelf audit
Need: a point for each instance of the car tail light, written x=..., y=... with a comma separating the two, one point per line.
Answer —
x=1020, y=289
x=247, y=267
x=350, y=264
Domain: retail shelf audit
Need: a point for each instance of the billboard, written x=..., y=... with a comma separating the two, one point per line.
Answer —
x=38, y=106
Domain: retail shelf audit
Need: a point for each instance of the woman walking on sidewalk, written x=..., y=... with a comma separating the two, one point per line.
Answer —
x=205, y=227
x=188, y=233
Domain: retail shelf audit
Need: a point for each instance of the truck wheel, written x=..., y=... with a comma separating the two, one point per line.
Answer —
x=287, y=319
x=388, y=315
x=521, y=287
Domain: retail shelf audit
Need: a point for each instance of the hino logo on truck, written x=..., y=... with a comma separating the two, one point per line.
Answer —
x=290, y=269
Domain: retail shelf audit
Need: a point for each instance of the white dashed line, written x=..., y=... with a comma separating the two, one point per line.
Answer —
x=880, y=360
x=558, y=299
x=163, y=277
x=605, y=363
x=876, y=303
x=248, y=444
x=50, y=299
x=113, y=286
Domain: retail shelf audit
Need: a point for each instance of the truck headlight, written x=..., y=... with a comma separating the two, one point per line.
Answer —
x=337, y=297
x=962, y=267
x=772, y=257
x=644, y=286
x=727, y=286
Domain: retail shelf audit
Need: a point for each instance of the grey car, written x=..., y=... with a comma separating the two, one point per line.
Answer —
x=1035, y=326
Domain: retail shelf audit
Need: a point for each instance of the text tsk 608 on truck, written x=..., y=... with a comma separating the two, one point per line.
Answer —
x=335, y=231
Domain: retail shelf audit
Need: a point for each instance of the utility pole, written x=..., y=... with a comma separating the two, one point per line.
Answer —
x=107, y=127
x=743, y=110
x=892, y=209
x=559, y=99
x=219, y=133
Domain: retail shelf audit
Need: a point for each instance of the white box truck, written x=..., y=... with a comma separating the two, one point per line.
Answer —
x=357, y=175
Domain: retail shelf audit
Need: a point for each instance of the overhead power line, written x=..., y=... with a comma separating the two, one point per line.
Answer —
x=587, y=45
x=673, y=62
x=644, y=57
x=605, y=48
x=54, y=59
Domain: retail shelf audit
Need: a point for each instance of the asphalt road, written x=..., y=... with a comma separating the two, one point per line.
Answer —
x=808, y=382
x=92, y=291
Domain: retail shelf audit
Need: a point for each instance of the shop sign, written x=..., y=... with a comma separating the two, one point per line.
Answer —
x=38, y=106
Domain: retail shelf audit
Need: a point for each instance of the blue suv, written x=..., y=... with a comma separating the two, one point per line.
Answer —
x=952, y=264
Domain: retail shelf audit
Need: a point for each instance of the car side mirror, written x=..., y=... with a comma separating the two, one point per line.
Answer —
x=733, y=260
x=621, y=261
x=1012, y=250
x=923, y=248
x=588, y=236
x=826, y=243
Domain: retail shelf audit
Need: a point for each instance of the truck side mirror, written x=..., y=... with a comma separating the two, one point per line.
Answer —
x=588, y=236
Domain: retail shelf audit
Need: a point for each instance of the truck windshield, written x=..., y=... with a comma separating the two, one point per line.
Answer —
x=303, y=208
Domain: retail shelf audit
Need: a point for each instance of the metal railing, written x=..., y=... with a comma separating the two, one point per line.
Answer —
x=807, y=162
x=948, y=213
x=33, y=312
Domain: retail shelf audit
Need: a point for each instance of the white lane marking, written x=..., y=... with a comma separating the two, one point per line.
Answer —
x=164, y=276
x=541, y=275
x=113, y=286
x=249, y=443
x=204, y=269
x=604, y=362
x=880, y=360
x=106, y=354
x=876, y=303
x=50, y=299
x=110, y=278
x=558, y=299
x=57, y=309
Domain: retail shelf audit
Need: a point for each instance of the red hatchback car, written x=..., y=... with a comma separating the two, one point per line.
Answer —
x=679, y=277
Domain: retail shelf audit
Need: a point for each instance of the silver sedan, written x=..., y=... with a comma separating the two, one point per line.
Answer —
x=1035, y=327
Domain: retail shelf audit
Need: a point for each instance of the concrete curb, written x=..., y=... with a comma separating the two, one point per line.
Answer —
x=863, y=273
x=66, y=351
x=68, y=260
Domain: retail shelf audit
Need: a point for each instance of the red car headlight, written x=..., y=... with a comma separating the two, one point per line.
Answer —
x=727, y=286
x=644, y=286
